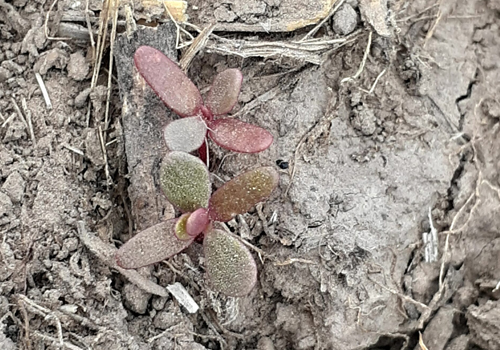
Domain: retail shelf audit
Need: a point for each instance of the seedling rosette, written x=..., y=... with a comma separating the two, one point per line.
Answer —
x=179, y=93
x=185, y=182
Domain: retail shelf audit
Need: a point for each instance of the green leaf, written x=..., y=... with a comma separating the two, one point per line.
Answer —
x=186, y=135
x=242, y=193
x=230, y=266
x=184, y=180
x=224, y=92
x=154, y=244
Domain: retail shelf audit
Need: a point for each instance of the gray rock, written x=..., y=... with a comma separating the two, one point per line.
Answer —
x=159, y=302
x=439, y=330
x=56, y=58
x=81, y=98
x=5, y=74
x=5, y=204
x=364, y=120
x=135, y=298
x=165, y=319
x=6, y=343
x=459, y=343
x=345, y=20
x=14, y=186
x=78, y=67
x=265, y=343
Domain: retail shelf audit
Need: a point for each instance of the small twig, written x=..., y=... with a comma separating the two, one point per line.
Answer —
x=110, y=73
x=105, y=157
x=421, y=342
x=27, y=338
x=46, y=27
x=73, y=149
x=198, y=44
x=89, y=27
x=431, y=242
x=369, y=92
x=431, y=31
x=497, y=287
x=162, y=334
x=46, y=313
x=294, y=260
x=248, y=244
x=18, y=110
x=27, y=112
x=54, y=340
x=295, y=160
x=417, y=14
x=402, y=296
x=363, y=61
x=179, y=29
x=323, y=21
x=7, y=121
x=45, y=94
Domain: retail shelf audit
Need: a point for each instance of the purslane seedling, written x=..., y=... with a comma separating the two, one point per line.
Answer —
x=179, y=93
x=185, y=182
x=185, y=179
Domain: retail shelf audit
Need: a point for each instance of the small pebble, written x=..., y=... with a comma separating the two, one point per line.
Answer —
x=136, y=299
x=345, y=20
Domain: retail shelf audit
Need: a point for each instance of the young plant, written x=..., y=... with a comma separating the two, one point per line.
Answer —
x=185, y=182
x=179, y=93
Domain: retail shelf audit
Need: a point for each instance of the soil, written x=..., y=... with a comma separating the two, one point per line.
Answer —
x=384, y=232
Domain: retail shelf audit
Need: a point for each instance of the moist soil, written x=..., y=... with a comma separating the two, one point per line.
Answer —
x=384, y=231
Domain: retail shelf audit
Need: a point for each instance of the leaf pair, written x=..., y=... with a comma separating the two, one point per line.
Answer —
x=179, y=93
x=185, y=182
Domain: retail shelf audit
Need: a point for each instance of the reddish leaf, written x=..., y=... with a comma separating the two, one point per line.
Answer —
x=202, y=152
x=230, y=266
x=224, y=92
x=242, y=193
x=185, y=134
x=184, y=180
x=154, y=244
x=169, y=82
x=197, y=222
x=239, y=136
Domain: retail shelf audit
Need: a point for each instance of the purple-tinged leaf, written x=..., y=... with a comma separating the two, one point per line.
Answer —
x=180, y=227
x=184, y=180
x=224, y=92
x=242, y=193
x=169, y=82
x=185, y=135
x=238, y=136
x=154, y=244
x=230, y=266
x=197, y=222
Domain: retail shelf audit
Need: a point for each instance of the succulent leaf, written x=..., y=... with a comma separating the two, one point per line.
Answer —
x=242, y=193
x=185, y=135
x=180, y=227
x=154, y=244
x=197, y=222
x=224, y=92
x=230, y=266
x=184, y=180
x=168, y=81
x=238, y=136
